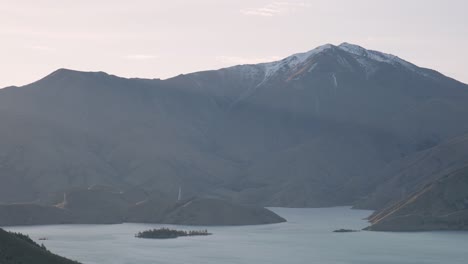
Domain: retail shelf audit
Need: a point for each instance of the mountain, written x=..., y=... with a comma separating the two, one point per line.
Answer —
x=33, y=214
x=402, y=178
x=202, y=211
x=17, y=248
x=104, y=205
x=313, y=129
x=423, y=191
x=440, y=205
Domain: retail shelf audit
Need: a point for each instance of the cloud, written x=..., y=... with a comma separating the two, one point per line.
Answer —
x=245, y=60
x=140, y=57
x=275, y=9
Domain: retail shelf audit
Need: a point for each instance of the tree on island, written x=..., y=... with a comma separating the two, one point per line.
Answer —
x=170, y=233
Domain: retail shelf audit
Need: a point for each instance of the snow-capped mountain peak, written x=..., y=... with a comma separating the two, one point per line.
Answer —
x=375, y=55
x=294, y=66
x=367, y=58
x=291, y=62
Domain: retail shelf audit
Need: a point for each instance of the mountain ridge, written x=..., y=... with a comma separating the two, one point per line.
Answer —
x=296, y=58
x=227, y=132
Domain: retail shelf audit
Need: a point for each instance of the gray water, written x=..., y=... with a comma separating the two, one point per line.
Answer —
x=307, y=237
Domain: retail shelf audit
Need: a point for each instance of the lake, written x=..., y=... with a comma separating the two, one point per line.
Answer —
x=307, y=237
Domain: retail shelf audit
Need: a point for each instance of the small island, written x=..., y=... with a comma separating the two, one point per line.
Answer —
x=164, y=233
x=342, y=230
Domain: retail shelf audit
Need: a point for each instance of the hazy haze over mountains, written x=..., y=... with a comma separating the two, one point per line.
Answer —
x=313, y=129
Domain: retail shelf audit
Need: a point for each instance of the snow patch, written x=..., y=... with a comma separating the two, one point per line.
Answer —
x=367, y=59
x=335, y=81
x=271, y=69
x=374, y=55
x=187, y=204
x=312, y=67
x=290, y=62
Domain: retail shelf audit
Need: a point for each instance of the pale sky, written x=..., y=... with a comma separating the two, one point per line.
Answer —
x=164, y=38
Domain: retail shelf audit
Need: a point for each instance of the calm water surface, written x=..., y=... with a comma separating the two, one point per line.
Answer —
x=307, y=237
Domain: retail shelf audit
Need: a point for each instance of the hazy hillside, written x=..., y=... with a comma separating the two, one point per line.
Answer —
x=99, y=205
x=401, y=178
x=33, y=214
x=313, y=129
x=441, y=205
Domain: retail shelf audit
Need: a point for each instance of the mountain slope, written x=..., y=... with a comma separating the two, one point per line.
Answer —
x=327, y=139
x=103, y=205
x=440, y=205
x=309, y=130
x=403, y=177
x=202, y=211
